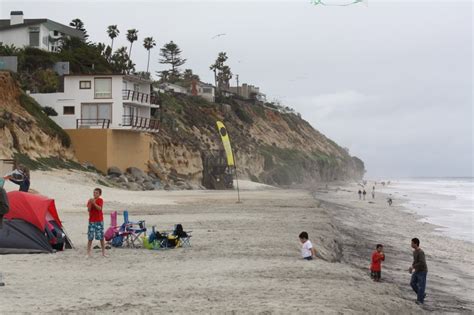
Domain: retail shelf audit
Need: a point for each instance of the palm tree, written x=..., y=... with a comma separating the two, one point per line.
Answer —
x=79, y=25
x=113, y=32
x=148, y=43
x=132, y=35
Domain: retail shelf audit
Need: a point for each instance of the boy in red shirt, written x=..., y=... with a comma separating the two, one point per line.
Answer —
x=376, y=266
x=96, y=221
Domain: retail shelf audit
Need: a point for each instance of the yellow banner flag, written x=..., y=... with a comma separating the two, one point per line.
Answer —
x=226, y=143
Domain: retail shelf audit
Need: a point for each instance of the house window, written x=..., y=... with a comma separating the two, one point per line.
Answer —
x=85, y=85
x=56, y=33
x=103, y=88
x=207, y=90
x=69, y=110
x=93, y=114
x=34, y=37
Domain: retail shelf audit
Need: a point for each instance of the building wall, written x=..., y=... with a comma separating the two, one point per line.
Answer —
x=18, y=37
x=106, y=147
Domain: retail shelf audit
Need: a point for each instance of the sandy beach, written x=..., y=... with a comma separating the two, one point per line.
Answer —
x=245, y=257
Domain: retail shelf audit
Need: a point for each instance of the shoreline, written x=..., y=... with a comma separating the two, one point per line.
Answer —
x=449, y=280
x=246, y=251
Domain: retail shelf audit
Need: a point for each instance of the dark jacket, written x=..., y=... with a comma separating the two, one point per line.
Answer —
x=419, y=261
x=4, y=206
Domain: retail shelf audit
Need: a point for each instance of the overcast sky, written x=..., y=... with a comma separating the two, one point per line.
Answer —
x=390, y=80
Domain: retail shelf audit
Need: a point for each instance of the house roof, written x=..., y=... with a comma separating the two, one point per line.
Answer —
x=128, y=77
x=52, y=25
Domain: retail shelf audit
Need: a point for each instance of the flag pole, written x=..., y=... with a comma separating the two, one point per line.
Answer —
x=237, y=180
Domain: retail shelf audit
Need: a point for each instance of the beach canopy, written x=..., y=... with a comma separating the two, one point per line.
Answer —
x=32, y=225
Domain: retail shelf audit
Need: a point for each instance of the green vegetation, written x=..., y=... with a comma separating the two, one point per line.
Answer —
x=44, y=122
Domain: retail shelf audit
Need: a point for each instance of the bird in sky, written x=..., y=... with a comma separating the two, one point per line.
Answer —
x=219, y=35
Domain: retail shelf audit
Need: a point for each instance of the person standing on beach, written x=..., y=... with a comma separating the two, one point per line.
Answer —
x=360, y=194
x=419, y=271
x=364, y=193
x=307, y=250
x=96, y=221
x=4, y=205
x=376, y=265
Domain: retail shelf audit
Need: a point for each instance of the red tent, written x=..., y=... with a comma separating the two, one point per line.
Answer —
x=35, y=209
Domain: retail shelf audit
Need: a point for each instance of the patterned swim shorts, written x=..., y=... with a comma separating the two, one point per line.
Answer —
x=95, y=229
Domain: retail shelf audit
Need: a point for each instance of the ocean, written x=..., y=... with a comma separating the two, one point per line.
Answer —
x=446, y=202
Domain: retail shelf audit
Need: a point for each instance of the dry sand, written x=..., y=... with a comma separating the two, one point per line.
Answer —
x=244, y=257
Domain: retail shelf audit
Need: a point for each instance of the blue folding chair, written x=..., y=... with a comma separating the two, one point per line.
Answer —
x=133, y=231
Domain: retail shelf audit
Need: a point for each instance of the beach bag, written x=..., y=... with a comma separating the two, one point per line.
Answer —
x=109, y=234
x=117, y=241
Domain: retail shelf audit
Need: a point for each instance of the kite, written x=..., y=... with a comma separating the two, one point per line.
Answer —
x=349, y=2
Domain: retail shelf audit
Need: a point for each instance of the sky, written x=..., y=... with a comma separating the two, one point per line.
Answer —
x=389, y=80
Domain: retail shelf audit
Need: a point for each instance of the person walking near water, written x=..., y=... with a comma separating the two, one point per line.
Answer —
x=418, y=271
x=360, y=194
x=364, y=193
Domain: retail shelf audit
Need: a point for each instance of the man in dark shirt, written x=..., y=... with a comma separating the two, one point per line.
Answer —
x=419, y=270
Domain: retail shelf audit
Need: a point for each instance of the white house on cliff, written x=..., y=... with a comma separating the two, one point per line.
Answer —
x=38, y=33
x=102, y=101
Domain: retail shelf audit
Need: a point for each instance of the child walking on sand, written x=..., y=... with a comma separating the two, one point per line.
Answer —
x=96, y=221
x=376, y=266
x=307, y=249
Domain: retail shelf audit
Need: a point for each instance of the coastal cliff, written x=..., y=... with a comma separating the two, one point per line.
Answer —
x=271, y=145
x=25, y=130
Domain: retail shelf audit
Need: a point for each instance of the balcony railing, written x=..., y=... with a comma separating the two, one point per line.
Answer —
x=134, y=96
x=92, y=122
x=140, y=122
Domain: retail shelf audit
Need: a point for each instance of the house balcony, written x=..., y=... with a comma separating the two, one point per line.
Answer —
x=140, y=98
x=140, y=123
x=92, y=123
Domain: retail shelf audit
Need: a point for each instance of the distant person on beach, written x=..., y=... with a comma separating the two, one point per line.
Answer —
x=96, y=221
x=418, y=271
x=360, y=194
x=376, y=263
x=390, y=201
x=4, y=205
x=307, y=249
x=20, y=176
x=373, y=194
x=364, y=193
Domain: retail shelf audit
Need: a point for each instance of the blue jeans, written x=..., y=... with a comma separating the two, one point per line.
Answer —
x=418, y=283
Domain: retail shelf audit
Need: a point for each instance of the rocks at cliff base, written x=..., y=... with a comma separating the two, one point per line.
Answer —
x=114, y=171
x=136, y=179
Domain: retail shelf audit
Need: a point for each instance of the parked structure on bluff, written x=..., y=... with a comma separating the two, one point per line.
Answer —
x=38, y=33
x=248, y=92
x=198, y=88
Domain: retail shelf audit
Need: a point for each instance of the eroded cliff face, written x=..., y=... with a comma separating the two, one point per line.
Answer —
x=270, y=146
x=32, y=134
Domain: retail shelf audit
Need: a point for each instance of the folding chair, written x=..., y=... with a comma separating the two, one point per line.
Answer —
x=132, y=231
x=184, y=237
